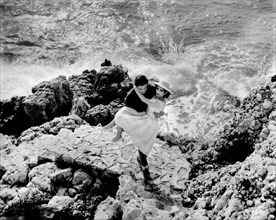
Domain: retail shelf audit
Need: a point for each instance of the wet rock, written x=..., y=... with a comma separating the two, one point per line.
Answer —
x=101, y=87
x=106, y=63
x=231, y=178
x=50, y=99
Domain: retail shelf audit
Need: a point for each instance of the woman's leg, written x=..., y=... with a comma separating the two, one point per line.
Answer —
x=110, y=125
x=118, y=134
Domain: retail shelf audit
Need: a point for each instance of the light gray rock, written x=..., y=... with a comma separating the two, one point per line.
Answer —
x=16, y=174
x=40, y=176
x=7, y=193
x=30, y=195
x=260, y=213
x=109, y=209
x=60, y=203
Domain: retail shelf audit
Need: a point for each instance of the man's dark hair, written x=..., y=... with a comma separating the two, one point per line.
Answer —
x=140, y=80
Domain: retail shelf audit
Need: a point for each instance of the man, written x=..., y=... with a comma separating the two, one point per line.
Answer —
x=133, y=101
x=148, y=90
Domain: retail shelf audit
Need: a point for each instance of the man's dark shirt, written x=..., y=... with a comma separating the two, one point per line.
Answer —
x=132, y=100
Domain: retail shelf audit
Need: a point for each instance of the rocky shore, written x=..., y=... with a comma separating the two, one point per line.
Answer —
x=56, y=161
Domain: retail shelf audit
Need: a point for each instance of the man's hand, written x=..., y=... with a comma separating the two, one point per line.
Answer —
x=158, y=114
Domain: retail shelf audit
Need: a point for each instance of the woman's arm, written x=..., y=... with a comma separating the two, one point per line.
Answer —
x=149, y=102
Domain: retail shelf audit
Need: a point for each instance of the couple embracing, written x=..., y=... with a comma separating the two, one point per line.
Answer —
x=140, y=117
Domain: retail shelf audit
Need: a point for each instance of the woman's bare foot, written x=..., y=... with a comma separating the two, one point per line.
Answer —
x=107, y=127
x=110, y=125
x=116, y=139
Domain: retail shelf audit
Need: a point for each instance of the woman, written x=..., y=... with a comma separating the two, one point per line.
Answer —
x=143, y=129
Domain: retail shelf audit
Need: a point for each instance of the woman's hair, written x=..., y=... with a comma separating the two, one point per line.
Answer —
x=140, y=80
x=167, y=94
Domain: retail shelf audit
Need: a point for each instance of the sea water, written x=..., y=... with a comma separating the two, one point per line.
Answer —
x=212, y=52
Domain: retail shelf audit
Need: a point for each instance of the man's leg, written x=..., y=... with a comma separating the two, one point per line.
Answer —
x=142, y=160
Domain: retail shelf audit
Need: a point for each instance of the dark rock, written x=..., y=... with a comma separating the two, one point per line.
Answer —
x=92, y=89
x=83, y=85
x=2, y=171
x=99, y=114
x=13, y=119
x=50, y=99
x=273, y=78
x=106, y=63
x=80, y=107
x=110, y=83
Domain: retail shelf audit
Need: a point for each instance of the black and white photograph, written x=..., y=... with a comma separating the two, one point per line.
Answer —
x=138, y=110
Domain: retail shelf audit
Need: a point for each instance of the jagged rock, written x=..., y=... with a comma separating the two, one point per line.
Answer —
x=62, y=176
x=53, y=127
x=108, y=209
x=6, y=147
x=80, y=106
x=2, y=205
x=99, y=114
x=40, y=177
x=7, y=193
x=106, y=63
x=109, y=83
x=81, y=180
x=244, y=131
x=94, y=93
x=13, y=119
x=16, y=174
x=60, y=203
x=230, y=178
x=50, y=99
x=98, y=163
x=83, y=85
x=259, y=213
x=29, y=195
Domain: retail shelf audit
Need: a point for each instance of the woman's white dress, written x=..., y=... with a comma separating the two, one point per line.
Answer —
x=142, y=129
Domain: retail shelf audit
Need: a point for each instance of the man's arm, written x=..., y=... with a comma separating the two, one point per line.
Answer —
x=149, y=102
x=127, y=97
